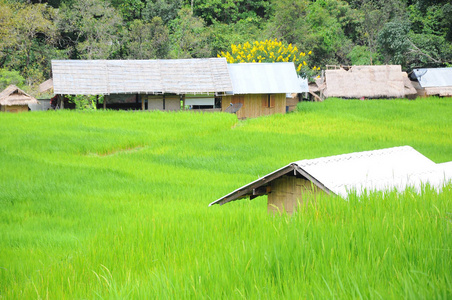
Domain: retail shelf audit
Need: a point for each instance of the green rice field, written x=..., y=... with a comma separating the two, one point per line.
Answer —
x=114, y=205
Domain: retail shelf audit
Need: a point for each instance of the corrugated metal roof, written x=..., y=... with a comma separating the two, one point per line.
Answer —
x=434, y=77
x=376, y=170
x=370, y=170
x=265, y=78
x=178, y=76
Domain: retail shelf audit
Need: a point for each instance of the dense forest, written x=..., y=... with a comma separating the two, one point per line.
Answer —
x=413, y=33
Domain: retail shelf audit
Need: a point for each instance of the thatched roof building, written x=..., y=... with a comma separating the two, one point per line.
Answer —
x=367, y=82
x=163, y=76
x=377, y=170
x=46, y=86
x=13, y=99
x=434, y=81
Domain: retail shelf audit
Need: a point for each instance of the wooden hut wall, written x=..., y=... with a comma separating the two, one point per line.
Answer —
x=255, y=105
x=292, y=102
x=14, y=108
x=287, y=192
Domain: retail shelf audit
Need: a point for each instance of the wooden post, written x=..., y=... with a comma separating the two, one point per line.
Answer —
x=61, y=101
x=142, y=102
x=105, y=102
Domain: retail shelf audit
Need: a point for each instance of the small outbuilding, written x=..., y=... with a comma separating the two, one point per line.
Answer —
x=433, y=81
x=377, y=170
x=355, y=82
x=13, y=99
x=261, y=88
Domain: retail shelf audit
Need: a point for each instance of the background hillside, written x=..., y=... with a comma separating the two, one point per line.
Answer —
x=413, y=33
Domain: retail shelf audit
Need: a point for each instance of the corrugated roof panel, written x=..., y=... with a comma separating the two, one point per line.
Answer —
x=434, y=77
x=264, y=78
x=371, y=170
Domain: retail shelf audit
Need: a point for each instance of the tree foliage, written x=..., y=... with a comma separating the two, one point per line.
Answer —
x=269, y=51
x=413, y=33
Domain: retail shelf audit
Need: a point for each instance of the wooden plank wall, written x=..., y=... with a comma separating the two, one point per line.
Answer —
x=287, y=192
x=253, y=104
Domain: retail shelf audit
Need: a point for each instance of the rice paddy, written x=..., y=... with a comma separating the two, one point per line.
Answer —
x=112, y=204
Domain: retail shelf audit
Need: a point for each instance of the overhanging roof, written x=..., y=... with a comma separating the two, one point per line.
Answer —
x=178, y=76
x=434, y=77
x=265, y=78
x=376, y=170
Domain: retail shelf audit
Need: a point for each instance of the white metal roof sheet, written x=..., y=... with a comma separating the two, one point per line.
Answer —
x=434, y=77
x=369, y=170
x=266, y=78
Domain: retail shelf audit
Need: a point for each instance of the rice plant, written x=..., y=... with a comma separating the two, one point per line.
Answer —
x=113, y=204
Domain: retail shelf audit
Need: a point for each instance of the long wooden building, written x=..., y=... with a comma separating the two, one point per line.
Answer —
x=174, y=84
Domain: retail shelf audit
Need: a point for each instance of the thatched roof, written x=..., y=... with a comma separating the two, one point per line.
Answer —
x=177, y=76
x=13, y=95
x=46, y=86
x=443, y=91
x=408, y=85
x=366, y=81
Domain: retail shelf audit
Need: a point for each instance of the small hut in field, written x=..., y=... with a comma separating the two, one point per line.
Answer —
x=261, y=88
x=433, y=82
x=372, y=82
x=13, y=99
x=377, y=170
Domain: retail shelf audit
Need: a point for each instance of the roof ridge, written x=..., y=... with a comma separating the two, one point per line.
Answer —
x=348, y=156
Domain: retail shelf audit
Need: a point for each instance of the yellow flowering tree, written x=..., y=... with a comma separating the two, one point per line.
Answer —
x=270, y=51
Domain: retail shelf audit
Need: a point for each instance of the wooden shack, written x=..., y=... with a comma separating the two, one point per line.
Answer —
x=360, y=172
x=13, y=99
x=261, y=88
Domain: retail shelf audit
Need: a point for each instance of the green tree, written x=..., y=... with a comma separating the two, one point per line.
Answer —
x=91, y=28
x=27, y=35
x=189, y=37
x=8, y=77
x=165, y=9
x=230, y=11
x=147, y=40
x=319, y=25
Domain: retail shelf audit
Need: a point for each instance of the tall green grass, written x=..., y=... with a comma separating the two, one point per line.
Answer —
x=114, y=205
